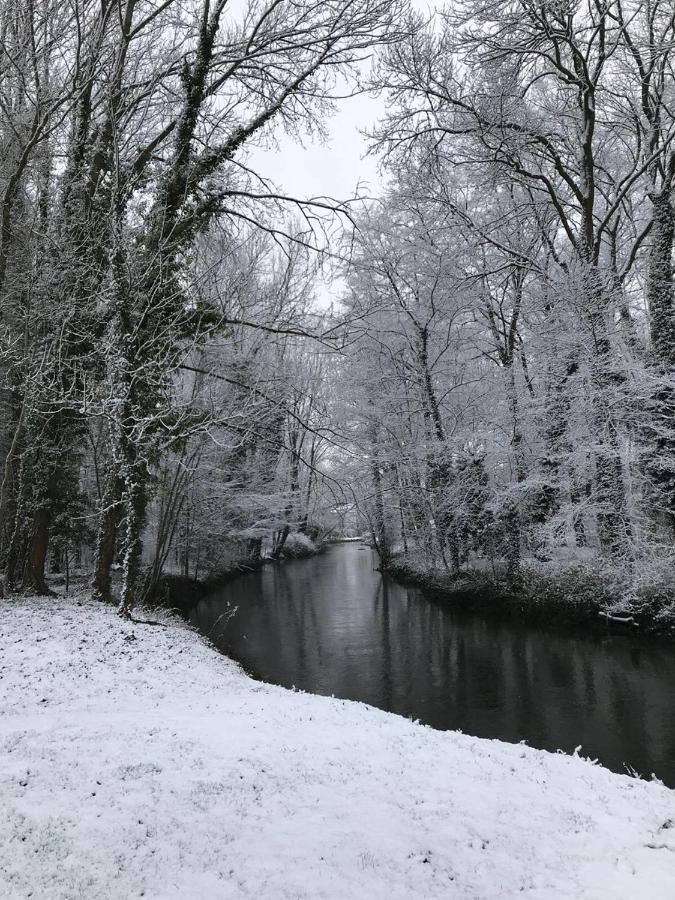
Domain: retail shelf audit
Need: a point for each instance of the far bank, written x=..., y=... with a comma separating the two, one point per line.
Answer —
x=580, y=598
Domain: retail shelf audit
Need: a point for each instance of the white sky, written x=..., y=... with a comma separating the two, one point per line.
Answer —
x=330, y=168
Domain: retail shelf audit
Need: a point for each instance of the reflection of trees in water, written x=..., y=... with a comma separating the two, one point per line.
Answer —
x=501, y=680
x=334, y=626
x=382, y=612
x=297, y=619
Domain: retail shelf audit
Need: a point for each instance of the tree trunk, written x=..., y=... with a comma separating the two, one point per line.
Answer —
x=29, y=544
x=613, y=525
x=254, y=550
x=107, y=538
x=34, y=572
x=135, y=499
x=8, y=486
x=280, y=541
x=513, y=527
x=610, y=495
x=659, y=427
x=380, y=533
x=440, y=473
x=557, y=443
x=660, y=282
x=293, y=502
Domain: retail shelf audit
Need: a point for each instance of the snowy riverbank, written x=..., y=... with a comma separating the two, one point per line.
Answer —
x=139, y=762
x=580, y=597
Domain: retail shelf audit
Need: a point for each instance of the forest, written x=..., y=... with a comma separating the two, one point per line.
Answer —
x=491, y=387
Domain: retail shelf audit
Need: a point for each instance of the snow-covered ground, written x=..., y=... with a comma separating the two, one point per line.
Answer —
x=137, y=762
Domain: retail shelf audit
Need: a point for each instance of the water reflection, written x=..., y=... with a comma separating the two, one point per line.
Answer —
x=332, y=625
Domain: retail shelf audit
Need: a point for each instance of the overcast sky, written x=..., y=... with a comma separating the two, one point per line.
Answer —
x=330, y=169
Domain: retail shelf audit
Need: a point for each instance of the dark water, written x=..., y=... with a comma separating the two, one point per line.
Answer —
x=332, y=625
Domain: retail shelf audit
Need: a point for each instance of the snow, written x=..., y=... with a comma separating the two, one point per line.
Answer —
x=138, y=762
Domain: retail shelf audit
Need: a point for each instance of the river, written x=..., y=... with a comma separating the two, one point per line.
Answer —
x=332, y=625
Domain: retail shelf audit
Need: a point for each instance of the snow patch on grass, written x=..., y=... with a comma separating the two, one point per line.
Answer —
x=139, y=762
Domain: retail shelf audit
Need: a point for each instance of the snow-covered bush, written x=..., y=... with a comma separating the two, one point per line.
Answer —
x=298, y=546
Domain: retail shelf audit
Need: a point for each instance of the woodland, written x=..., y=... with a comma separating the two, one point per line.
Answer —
x=491, y=388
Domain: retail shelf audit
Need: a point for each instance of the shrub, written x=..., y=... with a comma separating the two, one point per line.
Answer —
x=299, y=546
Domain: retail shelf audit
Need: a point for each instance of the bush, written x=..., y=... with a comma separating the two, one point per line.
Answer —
x=654, y=600
x=299, y=546
x=574, y=596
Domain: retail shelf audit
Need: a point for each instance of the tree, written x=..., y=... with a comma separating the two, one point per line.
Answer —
x=525, y=91
x=152, y=115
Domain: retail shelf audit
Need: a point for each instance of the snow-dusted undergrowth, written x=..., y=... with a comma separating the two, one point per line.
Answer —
x=136, y=761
